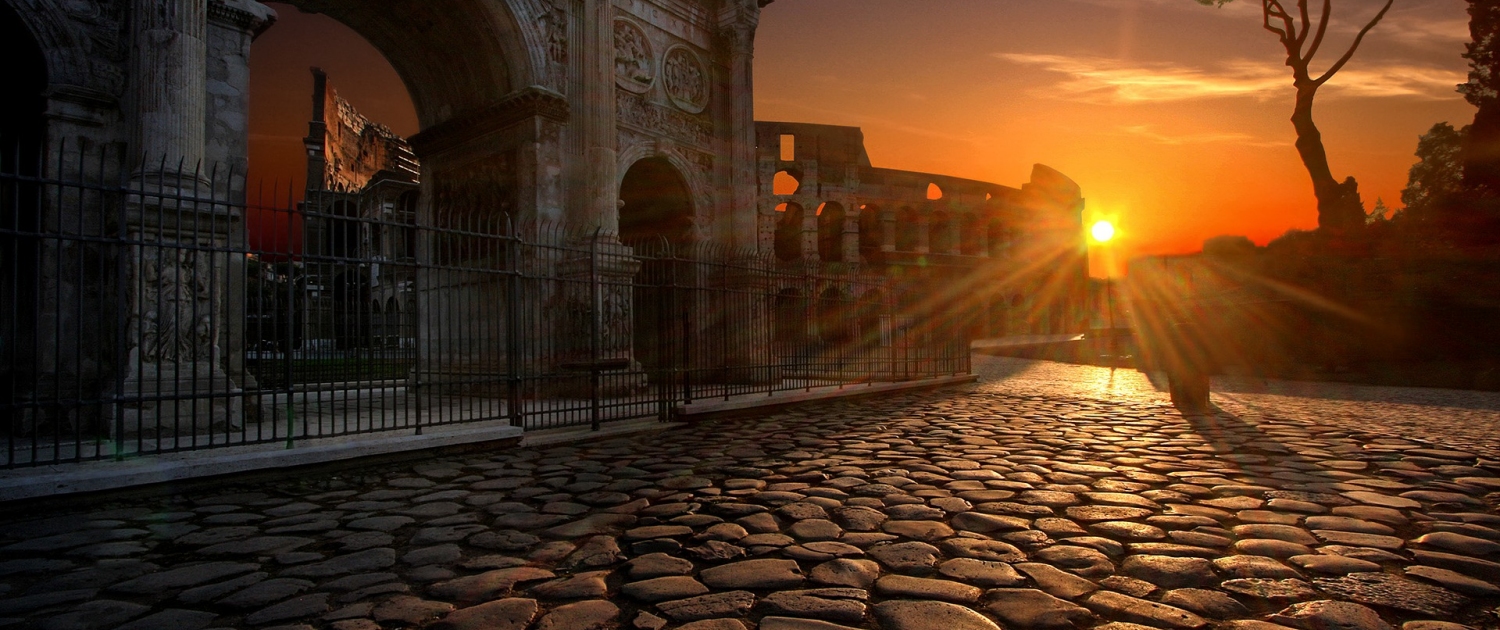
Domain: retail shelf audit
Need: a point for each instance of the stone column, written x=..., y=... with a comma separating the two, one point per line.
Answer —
x=168, y=73
x=850, y=240
x=739, y=24
x=597, y=118
x=177, y=273
x=924, y=233
x=810, y=232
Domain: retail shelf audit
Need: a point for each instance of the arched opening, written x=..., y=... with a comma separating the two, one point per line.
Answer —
x=289, y=106
x=788, y=243
x=871, y=313
x=968, y=235
x=404, y=245
x=786, y=183
x=657, y=204
x=393, y=332
x=22, y=135
x=831, y=232
x=22, y=127
x=351, y=310
x=791, y=316
x=999, y=241
x=833, y=326
x=934, y=192
x=341, y=231
x=907, y=223
x=657, y=212
x=871, y=234
x=455, y=56
x=940, y=234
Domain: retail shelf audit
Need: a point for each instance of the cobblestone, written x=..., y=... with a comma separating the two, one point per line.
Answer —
x=1032, y=502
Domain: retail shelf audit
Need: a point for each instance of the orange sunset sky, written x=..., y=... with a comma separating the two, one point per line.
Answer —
x=1170, y=115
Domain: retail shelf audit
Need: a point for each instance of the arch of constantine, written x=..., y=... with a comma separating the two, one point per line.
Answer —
x=625, y=125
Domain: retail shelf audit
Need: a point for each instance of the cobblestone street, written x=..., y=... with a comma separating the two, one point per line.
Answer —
x=1046, y=496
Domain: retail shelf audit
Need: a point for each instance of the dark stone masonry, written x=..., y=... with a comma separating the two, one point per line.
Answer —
x=954, y=510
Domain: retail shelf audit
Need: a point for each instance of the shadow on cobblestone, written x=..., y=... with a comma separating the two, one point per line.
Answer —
x=944, y=511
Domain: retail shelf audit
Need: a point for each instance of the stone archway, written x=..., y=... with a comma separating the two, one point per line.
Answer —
x=657, y=204
x=22, y=125
x=656, y=217
x=22, y=135
x=456, y=57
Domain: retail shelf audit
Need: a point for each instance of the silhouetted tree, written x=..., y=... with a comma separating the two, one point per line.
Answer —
x=1439, y=171
x=1379, y=214
x=1339, y=205
x=1481, y=156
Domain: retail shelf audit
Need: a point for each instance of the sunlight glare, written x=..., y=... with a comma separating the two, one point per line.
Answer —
x=1103, y=231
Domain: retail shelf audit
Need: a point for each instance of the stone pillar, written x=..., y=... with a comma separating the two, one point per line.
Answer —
x=739, y=24
x=850, y=240
x=176, y=274
x=168, y=73
x=597, y=118
x=599, y=314
x=810, y=232
x=924, y=233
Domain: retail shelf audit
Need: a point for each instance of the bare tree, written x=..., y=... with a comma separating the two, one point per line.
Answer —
x=1339, y=205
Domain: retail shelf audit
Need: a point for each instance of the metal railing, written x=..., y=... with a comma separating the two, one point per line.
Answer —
x=144, y=314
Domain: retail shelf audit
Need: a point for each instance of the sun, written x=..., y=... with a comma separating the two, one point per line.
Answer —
x=1102, y=231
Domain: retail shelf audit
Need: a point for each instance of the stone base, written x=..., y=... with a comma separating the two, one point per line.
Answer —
x=197, y=403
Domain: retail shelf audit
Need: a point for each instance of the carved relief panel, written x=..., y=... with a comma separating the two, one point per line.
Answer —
x=685, y=79
x=635, y=63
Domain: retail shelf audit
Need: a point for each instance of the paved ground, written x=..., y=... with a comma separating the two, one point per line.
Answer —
x=1459, y=418
x=1030, y=502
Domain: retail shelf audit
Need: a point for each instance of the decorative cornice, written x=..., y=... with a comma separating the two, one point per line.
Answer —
x=249, y=16
x=526, y=104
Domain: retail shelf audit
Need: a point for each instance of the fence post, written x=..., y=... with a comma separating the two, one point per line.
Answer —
x=513, y=324
x=594, y=331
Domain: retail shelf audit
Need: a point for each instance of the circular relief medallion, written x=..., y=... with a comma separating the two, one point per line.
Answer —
x=685, y=79
x=635, y=67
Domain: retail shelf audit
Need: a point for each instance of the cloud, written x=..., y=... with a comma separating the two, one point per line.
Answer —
x=1422, y=31
x=1243, y=139
x=1102, y=78
x=1109, y=80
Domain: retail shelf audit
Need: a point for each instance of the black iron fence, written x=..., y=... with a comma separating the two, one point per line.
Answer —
x=157, y=313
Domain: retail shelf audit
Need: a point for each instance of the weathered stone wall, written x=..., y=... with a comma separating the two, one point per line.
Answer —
x=938, y=232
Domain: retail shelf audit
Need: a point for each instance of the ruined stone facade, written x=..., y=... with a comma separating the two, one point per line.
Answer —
x=1013, y=258
x=359, y=228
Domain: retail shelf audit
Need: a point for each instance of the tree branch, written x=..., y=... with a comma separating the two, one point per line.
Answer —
x=1322, y=28
x=1288, y=31
x=1302, y=36
x=1352, y=47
